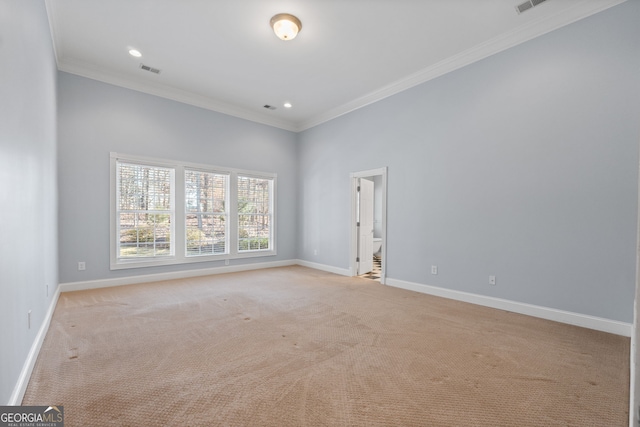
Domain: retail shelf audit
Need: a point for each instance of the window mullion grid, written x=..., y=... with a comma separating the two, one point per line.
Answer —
x=260, y=211
x=178, y=203
x=177, y=210
x=272, y=224
x=118, y=195
x=137, y=212
x=227, y=220
x=210, y=214
x=233, y=213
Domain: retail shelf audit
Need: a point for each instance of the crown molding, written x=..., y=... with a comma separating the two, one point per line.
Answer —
x=53, y=28
x=498, y=44
x=169, y=92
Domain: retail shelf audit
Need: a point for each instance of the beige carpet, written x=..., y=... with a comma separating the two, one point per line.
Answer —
x=299, y=347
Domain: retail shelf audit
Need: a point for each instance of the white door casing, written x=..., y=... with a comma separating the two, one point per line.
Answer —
x=365, y=229
x=353, y=219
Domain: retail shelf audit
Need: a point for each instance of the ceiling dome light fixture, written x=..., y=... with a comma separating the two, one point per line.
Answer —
x=135, y=52
x=286, y=26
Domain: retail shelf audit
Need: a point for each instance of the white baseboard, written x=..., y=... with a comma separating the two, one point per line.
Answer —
x=131, y=280
x=633, y=406
x=591, y=322
x=323, y=267
x=29, y=363
x=576, y=319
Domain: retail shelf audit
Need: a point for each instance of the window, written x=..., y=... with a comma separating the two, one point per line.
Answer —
x=145, y=211
x=254, y=213
x=220, y=213
x=206, y=212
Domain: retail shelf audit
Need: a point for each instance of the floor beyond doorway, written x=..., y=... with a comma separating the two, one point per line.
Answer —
x=377, y=269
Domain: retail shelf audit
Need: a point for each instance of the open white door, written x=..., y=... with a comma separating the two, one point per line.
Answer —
x=354, y=249
x=365, y=229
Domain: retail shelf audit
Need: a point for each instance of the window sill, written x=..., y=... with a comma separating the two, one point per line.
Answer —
x=135, y=263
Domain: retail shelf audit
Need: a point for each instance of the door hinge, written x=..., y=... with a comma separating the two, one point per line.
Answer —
x=358, y=259
x=358, y=224
x=358, y=188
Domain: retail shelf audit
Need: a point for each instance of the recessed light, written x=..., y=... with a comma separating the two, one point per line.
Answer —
x=287, y=105
x=135, y=52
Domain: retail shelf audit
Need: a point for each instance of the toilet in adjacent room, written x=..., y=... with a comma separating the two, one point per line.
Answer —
x=377, y=245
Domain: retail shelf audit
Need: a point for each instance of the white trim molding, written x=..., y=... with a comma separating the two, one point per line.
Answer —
x=323, y=267
x=576, y=319
x=481, y=51
x=518, y=35
x=146, y=278
x=25, y=375
x=591, y=322
x=167, y=92
x=634, y=383
x=353, y=219
x=177, y=211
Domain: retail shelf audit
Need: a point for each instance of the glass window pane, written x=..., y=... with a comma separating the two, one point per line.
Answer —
x=254, y=216
x=145, y=210
x=205, y=206
x=205, y=192
x=144, y=187
x=206, y=234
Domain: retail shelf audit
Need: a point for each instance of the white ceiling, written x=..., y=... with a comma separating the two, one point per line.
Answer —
x=222, y=54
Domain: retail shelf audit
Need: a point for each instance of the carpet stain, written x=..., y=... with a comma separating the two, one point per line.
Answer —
x=439, y=380
x=74, y=353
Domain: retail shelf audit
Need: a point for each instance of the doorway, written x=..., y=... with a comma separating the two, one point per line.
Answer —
x=368, y=223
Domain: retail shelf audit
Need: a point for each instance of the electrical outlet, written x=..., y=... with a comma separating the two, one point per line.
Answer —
x=492, y=280
x=226, y=262
x=315, y=252
x=29, y=319
x=82, y=266
x=434, y=269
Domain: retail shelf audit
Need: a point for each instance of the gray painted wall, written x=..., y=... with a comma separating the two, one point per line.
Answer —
x=523, y=165
x=28, y=252
x=96, y=118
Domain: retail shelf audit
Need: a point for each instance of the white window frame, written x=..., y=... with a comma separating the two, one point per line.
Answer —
x=179, y=227
x=226, y=212
x=271, y=214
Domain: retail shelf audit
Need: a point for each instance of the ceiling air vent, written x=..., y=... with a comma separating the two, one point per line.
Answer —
x=269, y=107
x=151, y=69
x=528, y=5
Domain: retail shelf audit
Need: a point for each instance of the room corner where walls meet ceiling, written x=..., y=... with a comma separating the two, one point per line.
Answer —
x=223, y=56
